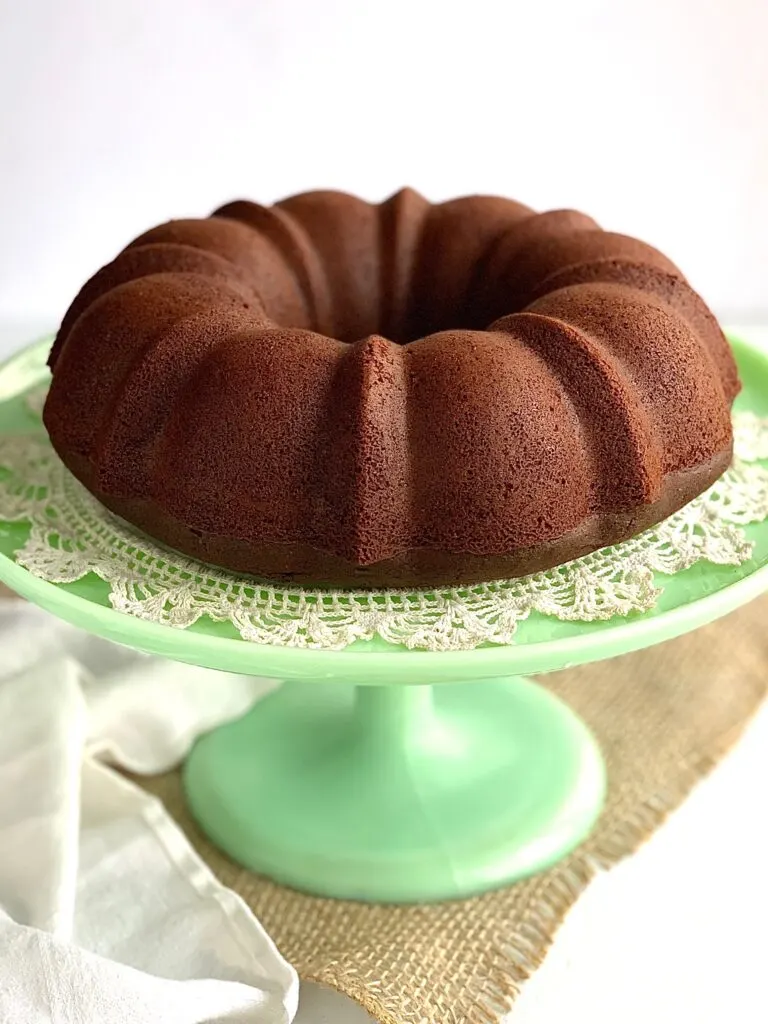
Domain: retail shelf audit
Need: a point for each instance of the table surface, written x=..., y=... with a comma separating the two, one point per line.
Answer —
x=641, y=944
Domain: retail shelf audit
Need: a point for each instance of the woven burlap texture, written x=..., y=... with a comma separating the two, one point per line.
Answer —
x=664, y=717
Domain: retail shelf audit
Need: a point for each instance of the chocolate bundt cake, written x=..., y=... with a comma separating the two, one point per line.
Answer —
x=403, y=394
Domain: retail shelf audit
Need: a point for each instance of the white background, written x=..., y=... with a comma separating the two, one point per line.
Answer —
x=652, y=117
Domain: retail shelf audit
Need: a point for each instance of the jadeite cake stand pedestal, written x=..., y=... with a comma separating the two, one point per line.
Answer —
x=383, y=774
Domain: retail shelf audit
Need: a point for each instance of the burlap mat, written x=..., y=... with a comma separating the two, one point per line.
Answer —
x=664, y=717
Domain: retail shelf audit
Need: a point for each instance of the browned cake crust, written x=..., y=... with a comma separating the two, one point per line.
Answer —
x=228, y=386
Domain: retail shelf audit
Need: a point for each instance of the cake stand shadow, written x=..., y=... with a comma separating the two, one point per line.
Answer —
x=382, y=774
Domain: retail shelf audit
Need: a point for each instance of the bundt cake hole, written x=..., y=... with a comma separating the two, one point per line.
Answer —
x=449, y=312
x=414, y=328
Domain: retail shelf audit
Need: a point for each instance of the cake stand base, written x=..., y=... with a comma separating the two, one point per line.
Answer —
x=398, y=793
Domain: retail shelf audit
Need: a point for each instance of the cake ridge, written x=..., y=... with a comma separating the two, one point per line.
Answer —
x=500, y=262
x=343, y=230
x=77, y=376
x=630, y=438
x=296, y=248
x=628, y=325
x=671, y=289
x=402, y=217
x=249, y=253
x=453, y=234
x=144, y=261
x=367, y=442
x=139, y=413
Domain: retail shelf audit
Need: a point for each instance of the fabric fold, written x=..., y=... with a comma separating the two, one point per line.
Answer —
x=106, y=911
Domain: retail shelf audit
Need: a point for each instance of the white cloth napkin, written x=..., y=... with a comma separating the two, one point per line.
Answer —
x=107, y=915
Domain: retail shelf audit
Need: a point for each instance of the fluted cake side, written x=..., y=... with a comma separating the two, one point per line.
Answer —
x=404, y=394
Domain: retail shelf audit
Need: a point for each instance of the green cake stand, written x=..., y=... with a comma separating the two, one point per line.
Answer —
x=382, y=774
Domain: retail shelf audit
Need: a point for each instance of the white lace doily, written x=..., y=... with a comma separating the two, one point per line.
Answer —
x=73, y=535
